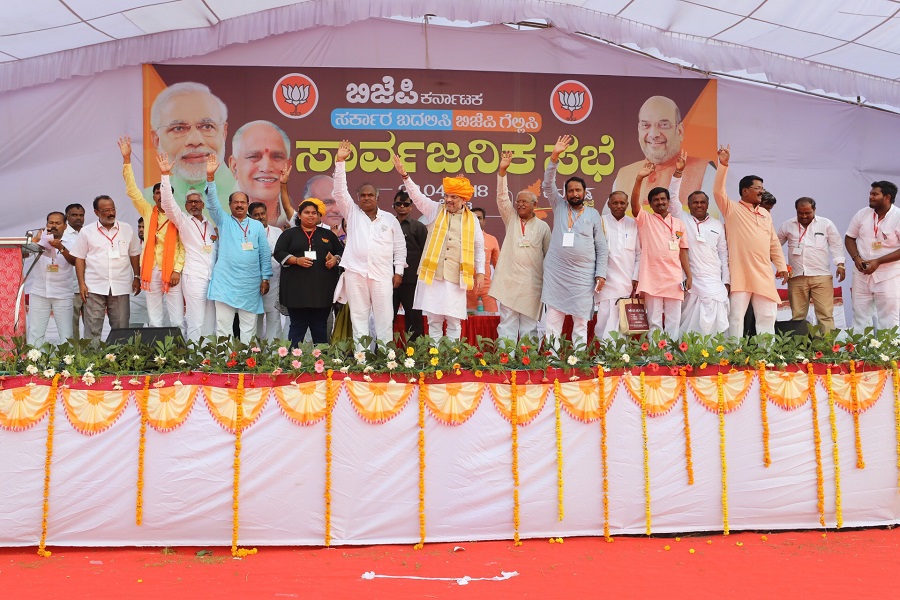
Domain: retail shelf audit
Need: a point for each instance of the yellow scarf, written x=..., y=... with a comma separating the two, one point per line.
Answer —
x=429, y=264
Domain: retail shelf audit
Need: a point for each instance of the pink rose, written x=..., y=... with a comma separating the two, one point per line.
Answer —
x=317, y=353
x=282, y=351
x=320, y=366
x=295, y=364
x=297, y=352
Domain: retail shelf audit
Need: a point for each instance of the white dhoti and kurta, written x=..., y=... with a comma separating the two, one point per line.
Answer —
x=621, y=270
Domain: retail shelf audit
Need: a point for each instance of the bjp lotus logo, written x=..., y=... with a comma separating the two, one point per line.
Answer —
x=295, y=95
x=571, y=101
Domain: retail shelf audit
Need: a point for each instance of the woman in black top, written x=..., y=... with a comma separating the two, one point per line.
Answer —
x=309, y=256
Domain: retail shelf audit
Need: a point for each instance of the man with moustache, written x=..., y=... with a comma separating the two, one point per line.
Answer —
x=260, y=154
x=753, y=247
x=198, y=236
x=163, y=256
x=107, y=255
x=622, y=266
x=660, y=134
x=51, y=283
x=814, y=244
x=575, y=265
x=268, y=324
x=873, y=241
x=188, y=123
x=374, y=258
x=74, y=223
x=519, y=277
x=240, y=277
x=415, y=234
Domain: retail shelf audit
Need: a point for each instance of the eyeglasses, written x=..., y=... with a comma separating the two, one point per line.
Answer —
x=193, y=200
x=407, y=203
x=757, y=188
x=179, y=129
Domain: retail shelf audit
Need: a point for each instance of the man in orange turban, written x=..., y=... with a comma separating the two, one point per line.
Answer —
x=453, y=260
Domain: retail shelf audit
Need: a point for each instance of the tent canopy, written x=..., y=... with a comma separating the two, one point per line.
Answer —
x=849, y=50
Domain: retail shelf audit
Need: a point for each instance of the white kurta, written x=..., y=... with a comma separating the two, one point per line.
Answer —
x=624, y=257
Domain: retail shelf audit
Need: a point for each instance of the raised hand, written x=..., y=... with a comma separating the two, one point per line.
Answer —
x=286, y=172
x=681, y=161
x=505, y=161
x=343, y=152
x=398, y=164
x=645, y=171
x=561, y=144
x=165, y=167
x=212, y=163
x=125, y=148
x=724, y=155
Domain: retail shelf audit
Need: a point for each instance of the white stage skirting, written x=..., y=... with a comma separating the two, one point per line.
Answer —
x=469, y=484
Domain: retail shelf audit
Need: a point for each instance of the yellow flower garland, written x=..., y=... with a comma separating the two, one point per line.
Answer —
x=817, y=439
x=560, y=507
x=646, y=453
x=835, y=454
x=896, y=374
x=854, y=407
x=142, y=408
x=720, y=391
x=330, y=396
x=763, y=406
x=604, y=454
x=688, y=453
x=514, y=417
x=423, y=391
x=235, y=508
x=48, y=460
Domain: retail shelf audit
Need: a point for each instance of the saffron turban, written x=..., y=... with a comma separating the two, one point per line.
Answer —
x=458, y=186
x=320, y=206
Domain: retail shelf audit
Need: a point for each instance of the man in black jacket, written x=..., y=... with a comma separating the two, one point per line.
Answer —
x=415, y=233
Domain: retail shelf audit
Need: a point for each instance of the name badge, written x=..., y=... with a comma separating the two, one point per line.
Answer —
x=524, y=243
x=876, y=245
x=114, y=251
x=673, y=245
x=247, y=246
x=310, y=254
x=701, y=239
x=51, y=268
x=568, y=239
x=797, y=251
x=207, y=248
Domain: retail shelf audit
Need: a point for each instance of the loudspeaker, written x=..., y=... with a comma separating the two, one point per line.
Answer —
x=798, y=327
x=149, y=335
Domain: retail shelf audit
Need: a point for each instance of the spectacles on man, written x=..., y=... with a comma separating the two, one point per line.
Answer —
x=400, y=203
x=757, y=188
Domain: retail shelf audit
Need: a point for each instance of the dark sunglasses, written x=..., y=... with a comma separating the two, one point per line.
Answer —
x=407, y=203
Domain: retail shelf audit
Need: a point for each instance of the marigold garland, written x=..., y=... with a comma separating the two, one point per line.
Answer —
x=330, y=396
x=646, y=453
x=763, y=406
x=720, y=391
x=48, y=460
x=142, y=442
x=817, y=438
x=514, y=418
x=688, y=453
x=235, y=508
x=854, y=407
x=835, y=454
x=604, y=454
x=560, y=507
x=422, y=397
x=896, y=375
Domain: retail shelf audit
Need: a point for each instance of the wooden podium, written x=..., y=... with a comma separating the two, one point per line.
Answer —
x=12, y=288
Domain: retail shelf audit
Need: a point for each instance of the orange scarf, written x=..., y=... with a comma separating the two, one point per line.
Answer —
x=168, y=257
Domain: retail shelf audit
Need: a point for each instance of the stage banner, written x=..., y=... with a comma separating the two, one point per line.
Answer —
x=441, y=123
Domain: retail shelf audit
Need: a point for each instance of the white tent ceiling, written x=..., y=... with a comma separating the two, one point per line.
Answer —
x=845, y=49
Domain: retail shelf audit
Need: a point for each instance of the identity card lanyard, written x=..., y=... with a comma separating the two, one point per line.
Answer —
x=673, y=245
x=876, y=245
x=569, y=236
x=700, y=238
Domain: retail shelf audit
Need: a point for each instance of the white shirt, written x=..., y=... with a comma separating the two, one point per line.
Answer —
x=708, y=259
x=52, y=275
x=104, y=274
x=624, y=257
x=68, y=239
x=272, y=234
x=196, y=234
x=373, y=246
x=809, y=248
x=875, y=239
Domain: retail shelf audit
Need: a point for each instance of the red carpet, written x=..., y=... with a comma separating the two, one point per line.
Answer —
x=860, y=563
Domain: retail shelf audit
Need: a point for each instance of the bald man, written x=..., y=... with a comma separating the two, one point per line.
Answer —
x=260, y=157
x=660, y=134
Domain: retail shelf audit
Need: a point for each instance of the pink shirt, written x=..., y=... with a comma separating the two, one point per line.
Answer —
x=660, y=273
